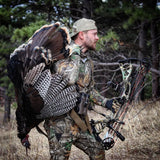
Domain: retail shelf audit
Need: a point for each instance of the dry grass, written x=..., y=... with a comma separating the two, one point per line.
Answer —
x=142, y=135
x=142, y=139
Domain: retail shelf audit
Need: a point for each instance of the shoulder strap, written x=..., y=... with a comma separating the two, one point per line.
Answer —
x=78, y=120
x=81, y=124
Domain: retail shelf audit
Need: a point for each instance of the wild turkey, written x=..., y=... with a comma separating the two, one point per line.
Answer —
x=40, y=92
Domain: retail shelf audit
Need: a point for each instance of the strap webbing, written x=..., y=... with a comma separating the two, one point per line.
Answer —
x=81, y=124
x=88, y=124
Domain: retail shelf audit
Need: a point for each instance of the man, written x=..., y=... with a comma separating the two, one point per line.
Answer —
x=73, y=127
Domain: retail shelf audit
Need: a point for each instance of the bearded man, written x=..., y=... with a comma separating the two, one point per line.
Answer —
x=73, y=127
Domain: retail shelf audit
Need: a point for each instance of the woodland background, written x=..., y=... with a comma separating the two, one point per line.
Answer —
x=127, y=29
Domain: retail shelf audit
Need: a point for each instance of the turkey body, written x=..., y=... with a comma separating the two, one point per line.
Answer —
x=38, y=88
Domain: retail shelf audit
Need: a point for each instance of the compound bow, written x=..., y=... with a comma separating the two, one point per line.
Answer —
x=132, y=85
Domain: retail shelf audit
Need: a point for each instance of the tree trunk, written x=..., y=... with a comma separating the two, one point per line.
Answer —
x=87, y=9
x=7, y=108
x=142, y=46
x=142, y=40
x=75, y=10
x=155, y=59
x=79, y=10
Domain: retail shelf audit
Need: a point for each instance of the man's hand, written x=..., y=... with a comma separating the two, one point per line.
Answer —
x=114, y=104
x=109, y=105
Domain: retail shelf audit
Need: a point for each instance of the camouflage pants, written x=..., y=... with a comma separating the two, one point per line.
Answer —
x=63, y=132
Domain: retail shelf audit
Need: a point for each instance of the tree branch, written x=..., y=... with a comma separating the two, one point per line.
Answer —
x=116, y=64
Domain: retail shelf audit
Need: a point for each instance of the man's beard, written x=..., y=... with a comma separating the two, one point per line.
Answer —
x=89, y=46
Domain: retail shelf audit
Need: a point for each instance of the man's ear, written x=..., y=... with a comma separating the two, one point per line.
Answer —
x=81, y=35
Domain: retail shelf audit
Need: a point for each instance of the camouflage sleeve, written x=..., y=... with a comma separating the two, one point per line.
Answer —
x=69, y=68
x=96, y=98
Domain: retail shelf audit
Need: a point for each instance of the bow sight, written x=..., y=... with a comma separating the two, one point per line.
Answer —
x=132, y=85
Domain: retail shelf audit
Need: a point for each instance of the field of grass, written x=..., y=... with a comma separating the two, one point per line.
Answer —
x=142, y=133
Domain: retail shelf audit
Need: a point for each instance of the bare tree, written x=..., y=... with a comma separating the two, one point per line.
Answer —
x=82, y=8
x=143, y=40
x=7, y=108
x=155, y=59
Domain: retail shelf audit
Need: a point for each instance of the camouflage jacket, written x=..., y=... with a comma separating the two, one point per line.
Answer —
x=78, y=68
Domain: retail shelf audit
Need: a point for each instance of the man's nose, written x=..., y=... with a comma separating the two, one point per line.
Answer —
x=97, y=38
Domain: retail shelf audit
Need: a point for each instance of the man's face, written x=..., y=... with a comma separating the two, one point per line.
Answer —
x=90, y=39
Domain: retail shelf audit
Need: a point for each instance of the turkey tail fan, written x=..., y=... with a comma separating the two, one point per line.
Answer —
x=54, y=38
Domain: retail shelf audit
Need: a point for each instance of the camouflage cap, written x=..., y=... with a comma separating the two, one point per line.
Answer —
x=82, y=25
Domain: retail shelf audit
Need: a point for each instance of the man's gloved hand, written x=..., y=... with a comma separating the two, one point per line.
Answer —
x=109, y=105
x=115, y=103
